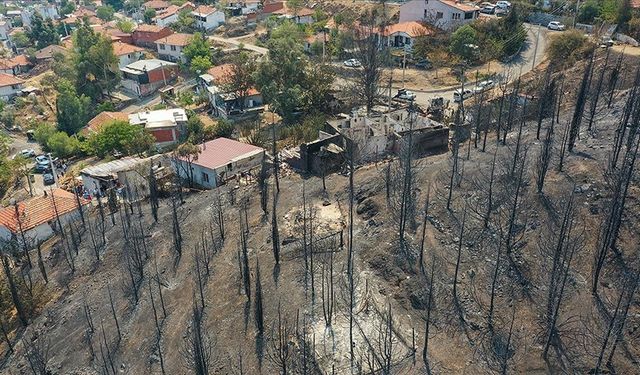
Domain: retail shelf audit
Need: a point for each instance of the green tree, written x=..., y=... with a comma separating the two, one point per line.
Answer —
x=105, y=13
x=588, y=12
x=568, y=47
x=624, y=15
x=125, y=26
x=96, y=65
x=42, y=133
x=72, y=110
x=149, y=15
x=20, y=39
x=185, y=22
x=295, y=6
x=42, y=33
x=461, y=41
x=62, y=145
x=120, y=136
x=240, y=81
x=198, y=46
x=200, y=64
x=115, y=4
x=67, y=7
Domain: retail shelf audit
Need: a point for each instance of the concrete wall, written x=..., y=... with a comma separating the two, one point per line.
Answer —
x=169, y=54
x=130, y=58
x=165, y=22
x=221, y=174
x=211, y=21
x=8, y=92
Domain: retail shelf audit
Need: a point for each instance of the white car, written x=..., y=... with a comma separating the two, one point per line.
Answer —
x=26, y=153
x=484, y=86
x=352, y=63
x=555, y=25
x=458, y=96
x=405, y=94
x=503, y=4
x=488, y=9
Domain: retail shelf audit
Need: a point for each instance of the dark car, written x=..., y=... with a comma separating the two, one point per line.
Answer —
x=48, y=179
x=424, y=64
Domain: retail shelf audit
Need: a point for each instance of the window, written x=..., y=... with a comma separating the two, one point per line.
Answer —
x=229, y=166
x=468, y=15
x=162, y=46
x=455, y=16
x=439, y=15
x=173, y=48
x=426, y=13
x=205, y=177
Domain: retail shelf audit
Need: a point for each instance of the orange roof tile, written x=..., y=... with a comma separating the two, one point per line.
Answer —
x=177, y=39
x=39, y=210
x=121, y=49
x=156, y=4
x=411, y=28
x=204, y=10
x=149, y=28
x=222, y=74
x=460, y=6
x=9, y=80
x=20, y=60
x=103, y=118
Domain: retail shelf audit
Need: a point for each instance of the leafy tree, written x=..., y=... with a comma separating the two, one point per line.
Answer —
x=42, y=33
x=149, y=15
x=567, y=47
x=609, y=10
x=185, y=22
x=198, y=46
x=105, y=13
x=115, y=4
x=105, y=107
x=72, y=110
x=96, y=64
x=62, y=145
x=195, y=129
x=461, y=39
x=67, y=7
x=120, y=136
x=295, y=5
x=241, y=79
x=224, y=128
x=200, y=64
x=42, y=133
x=125, y=26
x=20, y=39
x=624, y=15
x=588, y=12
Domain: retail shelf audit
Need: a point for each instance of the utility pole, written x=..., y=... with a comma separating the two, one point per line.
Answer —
x=575, y=16
x=404, y=64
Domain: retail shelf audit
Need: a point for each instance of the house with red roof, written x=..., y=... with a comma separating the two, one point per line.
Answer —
x=403, y=34
x=104, y=118
x=443, y=14
x=157, y=5
x=37, y=217
x=15, y=65
x=170, y=47
x=146, y=35
x=10, y=86
x=127, y=53
x=169, y=16
x=218, y=161
x=301, y=16
x=207, y=17
x=224, y=103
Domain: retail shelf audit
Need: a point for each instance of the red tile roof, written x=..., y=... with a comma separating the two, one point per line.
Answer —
x=459, y=5
x=272, y=7
x=156, y=4
x=121, y=49
x=103, y=118
x=20, y=60
x=178, y=39
x=39, y=210
x=411, y=28
x=223, y=73
x=149, y=28
x=205, y=10
x=9, y=80
x=222, y=151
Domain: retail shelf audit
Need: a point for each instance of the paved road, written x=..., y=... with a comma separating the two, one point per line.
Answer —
x=19, y=142
x=529, y=57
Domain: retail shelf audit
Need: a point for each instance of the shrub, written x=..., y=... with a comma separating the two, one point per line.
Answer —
x=62, y=145
x=567, y=47
x=42, y=133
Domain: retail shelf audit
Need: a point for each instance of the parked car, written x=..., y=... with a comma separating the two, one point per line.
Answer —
x=503, y=4
x=405, y=94
x=501, y=11
x=488, y=9
x=607, y=42
x=484, y=86
x=459, y=96
x=48, y=179
x=28, y=153
x=353, y=63
x=555, y=25
x=424, y=64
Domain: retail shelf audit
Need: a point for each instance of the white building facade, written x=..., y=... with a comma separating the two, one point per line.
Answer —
x=443, y=14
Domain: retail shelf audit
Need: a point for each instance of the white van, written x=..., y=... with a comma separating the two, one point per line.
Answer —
x=458, y=94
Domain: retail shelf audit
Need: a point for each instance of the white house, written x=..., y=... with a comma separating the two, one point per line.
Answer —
x=245, y=6
x=302, y=16
x=10, y=86
x=166, y=125
x=127, y=53
x=36, y=217
x=47, y=11
x=5, y=28
x=223, y=102
x=208, y=18
x=170, y=47
x=403, y=34
x=218, y=161
x=444, y=14
x=170, y=15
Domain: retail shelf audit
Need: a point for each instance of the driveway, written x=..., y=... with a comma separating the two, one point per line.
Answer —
x=20, y=142
x=236, y=42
